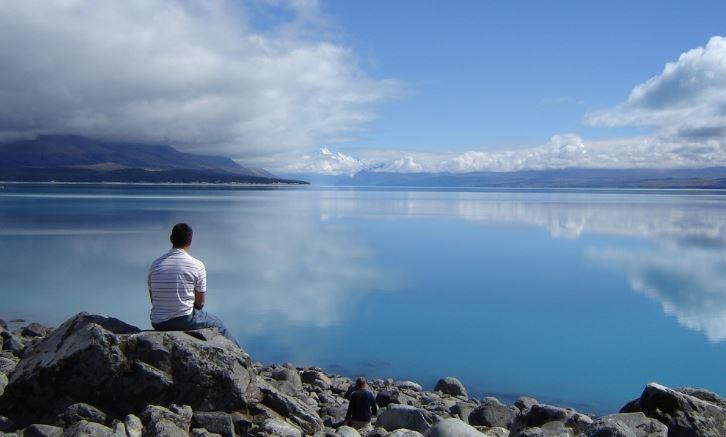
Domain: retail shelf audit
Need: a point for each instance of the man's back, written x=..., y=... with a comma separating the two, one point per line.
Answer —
x=173, y=279
x=362, y=404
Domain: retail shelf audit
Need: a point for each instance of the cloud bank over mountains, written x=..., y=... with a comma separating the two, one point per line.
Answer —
x=196, y=74
x=684, y=107
x=212, y=77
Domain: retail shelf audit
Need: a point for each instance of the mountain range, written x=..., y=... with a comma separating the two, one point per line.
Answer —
x=703, y=178
x=72, y=158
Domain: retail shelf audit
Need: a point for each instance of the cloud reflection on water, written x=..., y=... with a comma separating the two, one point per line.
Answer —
x=685, y=270
x=270, y=266
x=276, y=262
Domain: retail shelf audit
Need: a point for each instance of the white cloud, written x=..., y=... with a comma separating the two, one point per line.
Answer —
x=196, y=74
x=561, y=151
x=687, y=99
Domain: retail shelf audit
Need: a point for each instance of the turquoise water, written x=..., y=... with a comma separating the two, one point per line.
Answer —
x=577, y=298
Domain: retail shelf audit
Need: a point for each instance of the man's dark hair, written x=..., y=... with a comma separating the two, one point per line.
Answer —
x=360, y=382
x=181, y=235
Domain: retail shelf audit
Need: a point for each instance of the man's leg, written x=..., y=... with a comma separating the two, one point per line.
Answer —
x=202, y=319
x=181, y=323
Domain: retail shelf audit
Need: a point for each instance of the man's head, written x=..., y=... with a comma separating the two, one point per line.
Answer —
x=181, y=236
x=360, y=382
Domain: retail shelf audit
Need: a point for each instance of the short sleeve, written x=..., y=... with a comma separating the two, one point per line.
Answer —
x=201, y=285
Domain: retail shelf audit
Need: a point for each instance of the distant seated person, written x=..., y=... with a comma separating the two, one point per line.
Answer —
x=177, y=286
x=361, y=407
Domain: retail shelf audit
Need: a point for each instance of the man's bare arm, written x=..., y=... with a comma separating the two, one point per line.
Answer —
x=198, y=300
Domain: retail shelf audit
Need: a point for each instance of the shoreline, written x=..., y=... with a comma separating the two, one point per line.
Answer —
x=199, y=383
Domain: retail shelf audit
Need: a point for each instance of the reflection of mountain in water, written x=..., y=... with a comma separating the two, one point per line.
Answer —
x=686, y=272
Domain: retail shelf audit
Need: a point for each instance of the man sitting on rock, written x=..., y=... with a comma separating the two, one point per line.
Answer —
x=177, y=286
x=362, y=406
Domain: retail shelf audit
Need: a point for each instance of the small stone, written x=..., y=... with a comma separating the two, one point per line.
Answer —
x=165, y=428
x=201, y=432
x=496, y=432
x=3, y=383
x=215, y=422
x=80, y=411
x=524, y=402
x=181, y=417
x=402, y=433
x=39, y=430
x=280, y=428
x=8, y=364
x=35, y=330
x=242, y=423
x=89, y=429
x=491, y=400
x=451, y=386
x=410, y=385
x=347, y=431
x=12, y=344
x=492, y=415
x=6, y=425
x=452, y=428
x=134, y=427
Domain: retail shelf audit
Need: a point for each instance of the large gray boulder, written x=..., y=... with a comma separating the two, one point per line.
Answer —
x=452, y=428
x=397, y=416
x=685, y=415
x=704, y=395
x=549, y=420
x=119, y=369
x=451, y=386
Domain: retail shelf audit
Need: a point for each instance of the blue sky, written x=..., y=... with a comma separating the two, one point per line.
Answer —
x=324, y=86
x=511, y=74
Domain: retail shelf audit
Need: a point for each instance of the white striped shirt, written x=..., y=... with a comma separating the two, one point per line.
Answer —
x=173, y=279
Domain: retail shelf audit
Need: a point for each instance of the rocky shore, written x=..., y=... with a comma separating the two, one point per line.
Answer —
x=98, y=376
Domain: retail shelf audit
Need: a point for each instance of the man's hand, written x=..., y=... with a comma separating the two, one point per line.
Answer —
x=198, y=300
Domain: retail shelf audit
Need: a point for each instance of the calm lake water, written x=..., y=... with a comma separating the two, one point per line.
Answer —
x=576, y=298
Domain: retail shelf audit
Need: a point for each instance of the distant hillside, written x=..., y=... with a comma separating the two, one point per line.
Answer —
x=71, y=158
x=714, y=177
